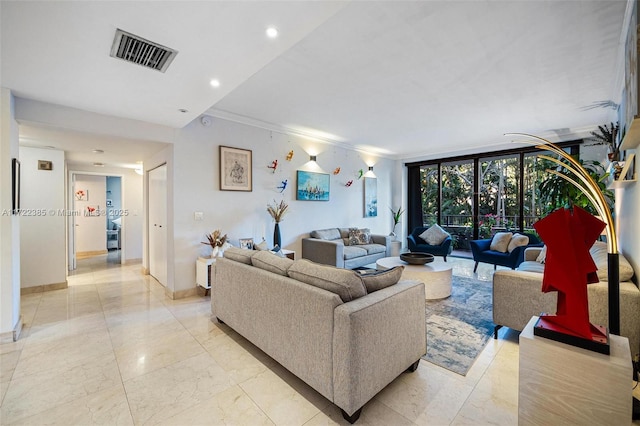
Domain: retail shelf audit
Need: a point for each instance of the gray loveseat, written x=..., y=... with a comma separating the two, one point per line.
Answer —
x=332, y=247
x=517, y=295
x=347, y=351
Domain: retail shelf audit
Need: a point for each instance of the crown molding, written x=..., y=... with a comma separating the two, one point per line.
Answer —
x=286, y=130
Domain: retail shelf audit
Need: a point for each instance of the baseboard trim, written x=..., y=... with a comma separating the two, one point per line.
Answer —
x=145, y=271
x=44, y=287
x=180, y=294
x=83, y=254
x=14, y=335
x=133, y=261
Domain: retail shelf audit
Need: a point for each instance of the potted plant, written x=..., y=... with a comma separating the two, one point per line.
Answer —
x=556, y=192
x=609, y=137
x=397, y=214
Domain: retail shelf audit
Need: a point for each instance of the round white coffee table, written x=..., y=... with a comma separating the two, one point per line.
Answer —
x=436, y=275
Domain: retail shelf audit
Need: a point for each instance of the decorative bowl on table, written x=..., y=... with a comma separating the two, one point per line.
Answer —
x=416, y=258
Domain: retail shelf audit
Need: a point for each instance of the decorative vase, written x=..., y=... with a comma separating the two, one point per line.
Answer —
x=276, y=235
x=215, y=252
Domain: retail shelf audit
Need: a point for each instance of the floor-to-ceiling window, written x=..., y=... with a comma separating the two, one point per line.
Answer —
x=498, y=194
x=475, y=196
x=429, y=193
x=457, y=201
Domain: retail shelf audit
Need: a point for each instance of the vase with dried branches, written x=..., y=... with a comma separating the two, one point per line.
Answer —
x=217, y=241
x=277, y=211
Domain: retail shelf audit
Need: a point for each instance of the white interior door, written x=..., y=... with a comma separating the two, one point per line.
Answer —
x=158, y=224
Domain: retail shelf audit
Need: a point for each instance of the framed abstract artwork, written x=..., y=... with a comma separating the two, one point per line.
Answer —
x=312, y=186
x=235, y=169
x=370, y=197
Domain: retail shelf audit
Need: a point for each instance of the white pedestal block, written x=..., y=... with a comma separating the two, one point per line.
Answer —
x=203, y=271
x=563, y=384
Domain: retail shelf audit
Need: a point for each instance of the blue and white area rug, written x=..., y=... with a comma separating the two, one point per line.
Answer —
x=459, y=326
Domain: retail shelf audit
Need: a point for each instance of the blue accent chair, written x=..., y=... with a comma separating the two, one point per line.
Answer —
x=416, y=243
x=481, y=252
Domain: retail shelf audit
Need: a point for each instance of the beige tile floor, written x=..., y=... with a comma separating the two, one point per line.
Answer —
x=112, y=349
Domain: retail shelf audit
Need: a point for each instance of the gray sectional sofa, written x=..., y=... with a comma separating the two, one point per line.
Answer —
x=332, y=247
x=321, y=322
x=517, y=295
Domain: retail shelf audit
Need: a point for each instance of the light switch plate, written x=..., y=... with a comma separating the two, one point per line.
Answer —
x=198, y=216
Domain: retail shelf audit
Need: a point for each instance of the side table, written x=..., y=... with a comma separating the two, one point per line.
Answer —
x=396, y=245
x=289, y=253
x=203, y=272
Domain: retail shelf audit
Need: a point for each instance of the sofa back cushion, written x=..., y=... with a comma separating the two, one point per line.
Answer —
x=381, y=279
x=500, y=242
x=434, y=235
x=517, y=240
x=359, y=236
x=599, y=253
x=239, y=255
x=326, y=234
x=271, y=262
x=344, y=282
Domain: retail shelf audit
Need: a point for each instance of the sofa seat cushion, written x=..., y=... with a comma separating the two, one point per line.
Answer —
x=271, y=262
x=493, y=254
x=373, y=248
x=531, y=266
x=382, y=279
x=239, y=255
x=352, y=252
x=345, y=283
x=326, y=234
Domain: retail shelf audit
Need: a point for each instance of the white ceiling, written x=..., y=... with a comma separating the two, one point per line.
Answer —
x=403, y=79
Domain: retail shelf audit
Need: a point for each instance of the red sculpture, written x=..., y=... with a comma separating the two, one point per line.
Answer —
x=569, y=267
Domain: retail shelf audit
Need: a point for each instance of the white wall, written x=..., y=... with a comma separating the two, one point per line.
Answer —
x=244, y=214
x=42, y=230
x=91, y=232
x=9, y=224
x=628, y=218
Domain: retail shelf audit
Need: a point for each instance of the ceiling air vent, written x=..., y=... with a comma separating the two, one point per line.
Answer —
x=131, y=48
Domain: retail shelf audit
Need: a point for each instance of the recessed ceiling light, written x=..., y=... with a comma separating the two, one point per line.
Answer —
x=98, y=151
x=98, y=164
x=215, y=82
x=182, y=110
x=272, y=32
